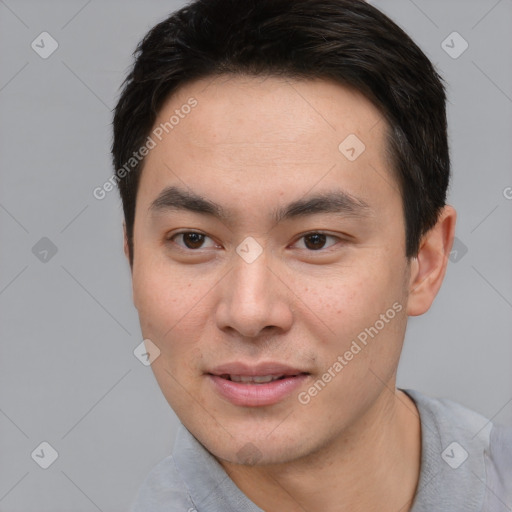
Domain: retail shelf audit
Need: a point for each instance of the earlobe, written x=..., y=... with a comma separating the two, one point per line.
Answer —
x=429, y=267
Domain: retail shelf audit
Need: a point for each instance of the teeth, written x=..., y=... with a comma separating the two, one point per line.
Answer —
x=258, y=379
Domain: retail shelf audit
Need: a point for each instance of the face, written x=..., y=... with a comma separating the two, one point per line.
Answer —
x=269, y=243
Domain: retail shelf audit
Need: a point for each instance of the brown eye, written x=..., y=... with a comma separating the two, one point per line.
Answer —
x=190, y=240
x=316, y=241
x=193, y=240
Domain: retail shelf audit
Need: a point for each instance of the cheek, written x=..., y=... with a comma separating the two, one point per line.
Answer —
x=167, y=303
x=356, y=295
x=364, y=308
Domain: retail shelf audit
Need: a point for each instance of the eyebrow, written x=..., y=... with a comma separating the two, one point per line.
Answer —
x=337, y=201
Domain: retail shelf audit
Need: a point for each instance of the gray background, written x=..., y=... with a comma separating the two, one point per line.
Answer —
x=68, y=327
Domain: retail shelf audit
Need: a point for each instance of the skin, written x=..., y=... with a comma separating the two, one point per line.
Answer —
x=252, y=145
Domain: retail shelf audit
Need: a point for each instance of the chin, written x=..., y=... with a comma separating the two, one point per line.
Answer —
x=251, y=447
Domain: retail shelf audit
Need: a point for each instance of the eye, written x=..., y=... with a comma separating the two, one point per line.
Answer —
x=191, y=240
x=315, y=240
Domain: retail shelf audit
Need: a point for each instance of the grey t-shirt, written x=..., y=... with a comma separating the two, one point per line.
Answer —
x=466, y=466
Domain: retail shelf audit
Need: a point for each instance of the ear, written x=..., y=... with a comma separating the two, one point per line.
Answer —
x=428, y=268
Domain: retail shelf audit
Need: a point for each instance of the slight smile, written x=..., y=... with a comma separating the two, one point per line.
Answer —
x=256, y=385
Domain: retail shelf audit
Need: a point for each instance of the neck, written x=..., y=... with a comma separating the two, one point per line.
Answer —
x=374, y=466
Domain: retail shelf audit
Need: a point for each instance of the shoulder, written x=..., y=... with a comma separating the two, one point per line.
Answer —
x=498, y=462
x=445, y=419
x=447, y=414
x=467, y=455
x=163, y=490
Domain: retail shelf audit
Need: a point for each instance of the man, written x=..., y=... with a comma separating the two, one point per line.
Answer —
x=283, y=167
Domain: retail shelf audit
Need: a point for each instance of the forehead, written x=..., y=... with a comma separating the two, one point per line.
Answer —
x=268, y=108
x=250, y=132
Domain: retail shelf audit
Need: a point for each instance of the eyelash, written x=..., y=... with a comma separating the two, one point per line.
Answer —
x=309, y=233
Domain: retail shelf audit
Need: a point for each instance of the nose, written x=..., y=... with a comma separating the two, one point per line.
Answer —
x=254, y=297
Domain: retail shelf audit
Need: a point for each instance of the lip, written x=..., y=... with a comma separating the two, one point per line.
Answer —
x=268, y=368
x=256, y=395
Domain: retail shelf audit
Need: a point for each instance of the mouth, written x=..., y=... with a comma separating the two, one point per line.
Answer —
x=256, y=386
x=256, y=379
